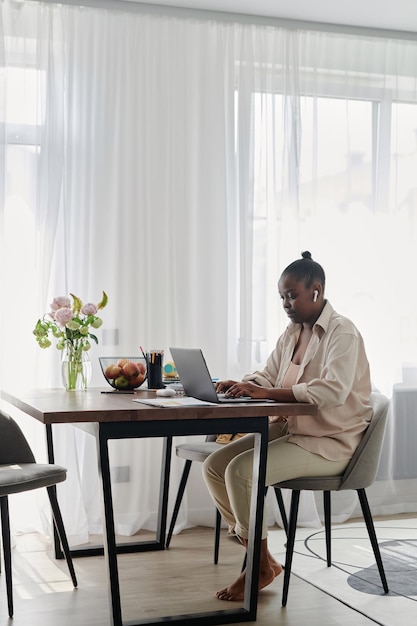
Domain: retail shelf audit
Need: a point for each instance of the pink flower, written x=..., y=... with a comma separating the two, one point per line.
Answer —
x=62, y=302
x=69, y=321
x=89, y=309
x=63, y=316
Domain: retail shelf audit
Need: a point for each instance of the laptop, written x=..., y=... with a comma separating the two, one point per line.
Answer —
x=196, y=379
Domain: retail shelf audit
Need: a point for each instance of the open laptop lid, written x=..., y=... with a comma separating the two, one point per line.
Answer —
x=194, y=373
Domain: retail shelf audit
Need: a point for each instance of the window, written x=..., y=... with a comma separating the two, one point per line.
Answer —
x=23, y=126
x=345, y=189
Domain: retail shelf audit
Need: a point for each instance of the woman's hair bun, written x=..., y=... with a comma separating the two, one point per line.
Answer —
x=307, y=270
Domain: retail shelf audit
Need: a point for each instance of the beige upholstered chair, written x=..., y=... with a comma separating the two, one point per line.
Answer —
x=199, y=451
x=19, y=472
x=359, y=474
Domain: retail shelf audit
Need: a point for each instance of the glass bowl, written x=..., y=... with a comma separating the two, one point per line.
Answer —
x=124, y=373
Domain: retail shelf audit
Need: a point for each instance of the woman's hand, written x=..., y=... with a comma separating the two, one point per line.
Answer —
x=236, y=390
x=224, y=385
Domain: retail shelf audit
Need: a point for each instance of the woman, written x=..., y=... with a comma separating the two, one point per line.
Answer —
x=320, y=358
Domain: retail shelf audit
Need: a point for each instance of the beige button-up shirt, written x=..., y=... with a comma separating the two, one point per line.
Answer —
x=334, y=374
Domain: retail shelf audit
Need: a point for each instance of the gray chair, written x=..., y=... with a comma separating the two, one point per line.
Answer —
x=360, y=473
x=19, y=472
x=196, y=451
x=199, y=451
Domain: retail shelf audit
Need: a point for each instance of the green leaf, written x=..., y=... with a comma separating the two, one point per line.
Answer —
x=77, y=303
x=103, y=301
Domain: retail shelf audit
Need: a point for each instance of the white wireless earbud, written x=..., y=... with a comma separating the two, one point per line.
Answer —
x=315, y=295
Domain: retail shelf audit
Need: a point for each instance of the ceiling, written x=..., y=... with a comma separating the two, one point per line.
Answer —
x=386, y=14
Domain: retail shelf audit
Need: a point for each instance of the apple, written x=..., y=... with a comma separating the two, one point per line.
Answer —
x=136, y=382
x=141, y=367
x=112, y=371
x=121, y=382
x=122, y=362
x=130, y=370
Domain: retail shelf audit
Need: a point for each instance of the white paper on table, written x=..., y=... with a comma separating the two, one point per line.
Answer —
x=167, y=402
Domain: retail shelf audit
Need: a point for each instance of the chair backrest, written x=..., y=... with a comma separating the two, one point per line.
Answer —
x=13, y=445
x=363, y=466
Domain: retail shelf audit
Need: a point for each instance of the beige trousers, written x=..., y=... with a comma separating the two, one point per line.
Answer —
x=228, y=473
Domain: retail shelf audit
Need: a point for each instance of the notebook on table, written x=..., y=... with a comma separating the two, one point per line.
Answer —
x=196, y=379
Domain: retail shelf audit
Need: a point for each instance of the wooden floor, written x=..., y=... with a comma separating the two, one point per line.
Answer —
x=173, y=581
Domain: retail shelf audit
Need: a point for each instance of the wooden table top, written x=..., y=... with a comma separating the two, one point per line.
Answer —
x=55, y=406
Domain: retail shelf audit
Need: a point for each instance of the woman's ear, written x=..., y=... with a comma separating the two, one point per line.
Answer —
x=317, y=290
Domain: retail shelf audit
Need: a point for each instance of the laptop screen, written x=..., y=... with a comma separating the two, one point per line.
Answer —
x=194, y=373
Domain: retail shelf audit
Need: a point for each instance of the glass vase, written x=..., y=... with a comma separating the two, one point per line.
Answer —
x=76, y=368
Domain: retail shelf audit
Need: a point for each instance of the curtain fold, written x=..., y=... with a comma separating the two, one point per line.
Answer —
x=179, y=164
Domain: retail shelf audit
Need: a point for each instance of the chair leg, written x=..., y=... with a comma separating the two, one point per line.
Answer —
x=217, y=537
x=59, y=525
x=295, y=500
x=7, y=551
x=328, y=526
x=181, y=489
x=367, y=515
x=280, y=501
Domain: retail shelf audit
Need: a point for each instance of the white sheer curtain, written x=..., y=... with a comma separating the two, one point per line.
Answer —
x=180, y=163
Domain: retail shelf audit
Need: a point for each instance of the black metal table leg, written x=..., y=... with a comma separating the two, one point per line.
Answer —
x=255, y=530
x=128, y=546
x=59, y=554
x=108, y=520
x=258, y=426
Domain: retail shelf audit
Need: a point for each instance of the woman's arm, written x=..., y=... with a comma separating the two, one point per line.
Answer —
x=258, y=391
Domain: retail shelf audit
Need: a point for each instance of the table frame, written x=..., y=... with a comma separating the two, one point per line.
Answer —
x=124, y=430
x=129, y=546
x=120, y=418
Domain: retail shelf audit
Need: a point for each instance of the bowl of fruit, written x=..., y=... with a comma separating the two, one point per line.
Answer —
x=124, y=373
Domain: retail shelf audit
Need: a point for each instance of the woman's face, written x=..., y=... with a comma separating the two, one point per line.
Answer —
x=297, y=299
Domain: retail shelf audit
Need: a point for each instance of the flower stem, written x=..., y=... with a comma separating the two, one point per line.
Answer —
x=73, y=371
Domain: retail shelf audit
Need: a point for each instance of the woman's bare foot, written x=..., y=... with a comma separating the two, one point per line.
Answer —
x=276, y=566
x=269, y=569
x=236, y=590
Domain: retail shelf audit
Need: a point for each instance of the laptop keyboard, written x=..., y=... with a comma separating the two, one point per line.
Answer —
x=223, y=398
